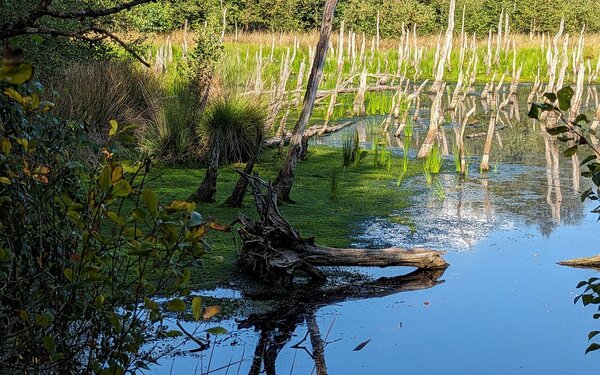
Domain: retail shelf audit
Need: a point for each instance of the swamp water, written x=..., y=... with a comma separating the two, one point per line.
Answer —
x=502, y=307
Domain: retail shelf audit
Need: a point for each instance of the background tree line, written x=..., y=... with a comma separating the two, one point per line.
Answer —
x=360, y=15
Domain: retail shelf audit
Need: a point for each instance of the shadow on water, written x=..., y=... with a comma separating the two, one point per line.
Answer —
x=505, y=308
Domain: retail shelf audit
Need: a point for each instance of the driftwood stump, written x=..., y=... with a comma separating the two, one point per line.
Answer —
x=273, y=250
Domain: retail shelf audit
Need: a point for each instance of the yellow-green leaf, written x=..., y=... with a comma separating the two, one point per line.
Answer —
x=197, y=307
x=49, y=344
x=217, y=331
x=176, y=305
x=117, y=173
x=13, y=94
x=105, y=178
x=114, y=126
x=16, y=75
x=5, y=146
x=46, y=106
x=5, y=180
x=151, y=201
x=44, y=319
x=23, y=142
x=69, y=274
x=121, y=188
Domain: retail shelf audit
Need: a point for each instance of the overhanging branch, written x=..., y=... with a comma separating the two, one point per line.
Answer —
x=28, y=24
x=84, y=34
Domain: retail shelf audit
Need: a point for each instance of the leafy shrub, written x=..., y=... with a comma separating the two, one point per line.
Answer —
x=233, y=123
x=83, y=253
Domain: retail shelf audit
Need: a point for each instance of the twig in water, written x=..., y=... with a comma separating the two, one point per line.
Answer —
x=202, y=345
x=361, y=345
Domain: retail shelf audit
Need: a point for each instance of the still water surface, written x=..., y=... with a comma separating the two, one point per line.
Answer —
x=505, y=306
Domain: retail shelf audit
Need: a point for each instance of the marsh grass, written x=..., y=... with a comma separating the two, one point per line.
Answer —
x=438, y=189
x=433, y=161
x=426, y=173
x=233, y=123
x=456, y=156
x=102, y=91
x=408, y=130
x=170, y=136
x=237, y=66
x=350, y=147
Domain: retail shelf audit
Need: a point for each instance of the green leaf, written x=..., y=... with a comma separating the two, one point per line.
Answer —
x=596, y=178
x=44, y=319
x=69, y=274
x=535, y=111
x=114, y=126
x=5, y=181
x=139, y=214
x=570, y=151
x=564, y=96
x=121, y=188
x=105, y=180
x=174, y=333
x=587, y=159
x=550, y=96
x=197, y=307
x=587, y=299
x=557, y=130
x=5, y=255
x=581, y=118
x=49, y=344
x=176, y=305
x=581, y=283
x=151, y=201
x=592, y=334
x=217, y=331
x=592, y=347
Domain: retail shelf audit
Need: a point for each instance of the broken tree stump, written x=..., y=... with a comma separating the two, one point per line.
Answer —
x=272, y=250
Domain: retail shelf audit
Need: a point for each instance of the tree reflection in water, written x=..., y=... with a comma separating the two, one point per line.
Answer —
x=278, y=326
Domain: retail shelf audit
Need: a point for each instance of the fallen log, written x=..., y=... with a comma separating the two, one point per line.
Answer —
x=311, y=132
x=272, y=250
x=483, y=134
x=589, y=262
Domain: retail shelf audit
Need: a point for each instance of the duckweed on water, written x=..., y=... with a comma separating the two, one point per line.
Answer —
x=362, y=192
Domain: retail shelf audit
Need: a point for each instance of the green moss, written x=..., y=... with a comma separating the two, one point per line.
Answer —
x=364, y=192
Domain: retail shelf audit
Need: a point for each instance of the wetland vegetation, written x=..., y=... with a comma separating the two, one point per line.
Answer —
x=202, y=186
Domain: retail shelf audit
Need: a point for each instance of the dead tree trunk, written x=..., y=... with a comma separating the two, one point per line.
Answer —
x=237, y=196
x=208, y=188
x=273, y=250
x=285, y=178
x=434, y=123
x=445, y=51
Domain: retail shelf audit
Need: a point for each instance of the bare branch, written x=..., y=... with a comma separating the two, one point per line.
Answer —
x=95, y=13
